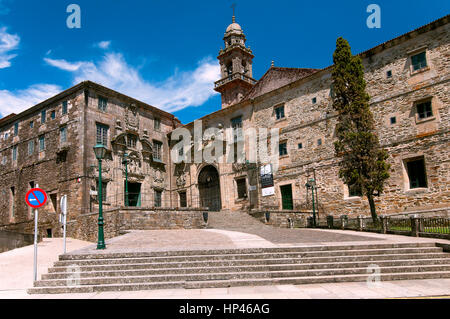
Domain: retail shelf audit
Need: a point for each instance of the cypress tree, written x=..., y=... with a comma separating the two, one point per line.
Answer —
x=362, y=160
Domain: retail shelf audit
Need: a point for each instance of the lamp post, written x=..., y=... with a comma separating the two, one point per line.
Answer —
x=100, y=152
x=125, y=161
x=312, y=184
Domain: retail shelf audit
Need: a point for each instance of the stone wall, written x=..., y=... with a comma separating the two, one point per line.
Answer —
x=281, y=219
x=11, y=240
x=117, y=221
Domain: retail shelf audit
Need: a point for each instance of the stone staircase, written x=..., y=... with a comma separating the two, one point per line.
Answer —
x=236, y=220
x=77, y=273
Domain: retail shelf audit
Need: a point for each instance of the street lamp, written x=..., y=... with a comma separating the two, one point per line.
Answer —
x=125, y=161
x=312, y=184
x=100, y=152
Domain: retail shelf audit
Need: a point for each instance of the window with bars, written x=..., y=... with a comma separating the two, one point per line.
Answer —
x=419, y=61
x=157, y=150
x=102, y=134
x=424, y=110
x=102, y=103
x=158, y=198
x=131, y=141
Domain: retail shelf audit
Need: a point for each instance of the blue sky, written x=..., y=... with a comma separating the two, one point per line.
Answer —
x=164, y=52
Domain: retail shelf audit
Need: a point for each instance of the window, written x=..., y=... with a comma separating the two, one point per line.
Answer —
x=183, y=199
x=157, y=122
x=43, y=116
x=157, y=150
x=104, y=188
x=354, y=190
x=4, y=160
x=236, y=123
x=319, y=142
x=16, y=128
x=102, y=134
x=53, y=115
x=416, y=173
x=282, y=148
x=63, y=134
x=14, y=153
x=314, y=100
x=300, y=146
x=389, y=74
x=158, y=198
x=424, y=110
x=393, y=120
x=131, y=141
x=102, y=103
x=31, y=124
x=64, y=107
x=13, y=195
x=6, y=136
x=419, y=61
x=279, y=112
x=30, y=147
x=241, y=188
x=41, y=143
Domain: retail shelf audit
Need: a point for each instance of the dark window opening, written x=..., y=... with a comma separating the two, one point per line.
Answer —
x=282, y=149
x=16, y=129
x=157, y=124
x=419, y=61
x=183, y=199
x=314, y=100
x=354, y=190
x=43, y=116
x=102, y=103
x=300, y=146
x=54, y=201
x=416, y=173
x=53, y=115
x=64, y=107
x=424, y=110
x=49, y=233
x=241, y=188
x=158, y=198
x=279, y=112
x=389, y=74
x=319, y=142
x=393, y=120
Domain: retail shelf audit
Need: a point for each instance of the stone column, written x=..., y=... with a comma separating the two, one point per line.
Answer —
x=384, y=224
x=360, y=222
x=414, y=226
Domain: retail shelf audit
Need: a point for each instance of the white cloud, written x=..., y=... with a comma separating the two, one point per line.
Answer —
x=103, y=44
x=183, y=89
x=20, y=100
x=8, y=42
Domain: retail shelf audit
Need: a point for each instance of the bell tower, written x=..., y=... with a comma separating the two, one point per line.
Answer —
x=235, y=66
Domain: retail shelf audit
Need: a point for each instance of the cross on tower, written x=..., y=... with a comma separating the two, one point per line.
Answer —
x=233, y=6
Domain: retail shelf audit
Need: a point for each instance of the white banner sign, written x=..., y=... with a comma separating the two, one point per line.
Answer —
x=268, y=191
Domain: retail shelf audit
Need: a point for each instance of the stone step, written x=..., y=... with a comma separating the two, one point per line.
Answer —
x=241, y=251
x=239, y=282
x=118, y=265
x=224, y=269
x=305, y=254
x=238, y=275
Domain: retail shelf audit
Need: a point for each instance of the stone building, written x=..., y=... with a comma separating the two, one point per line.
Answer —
x=407, y=78
x=51, y=145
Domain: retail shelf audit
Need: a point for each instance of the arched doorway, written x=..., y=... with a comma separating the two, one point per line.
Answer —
x=209, y=188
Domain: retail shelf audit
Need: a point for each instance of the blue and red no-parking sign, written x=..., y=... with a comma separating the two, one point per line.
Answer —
x=36, y=197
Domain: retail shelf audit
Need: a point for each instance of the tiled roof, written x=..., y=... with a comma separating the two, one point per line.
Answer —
x=277, y=77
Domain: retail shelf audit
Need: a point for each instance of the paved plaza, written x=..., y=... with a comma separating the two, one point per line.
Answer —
x=16, y=266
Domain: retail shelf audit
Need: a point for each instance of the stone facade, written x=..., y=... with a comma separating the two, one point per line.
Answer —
x=307, y=128
x=407, y=79
x=55, y=151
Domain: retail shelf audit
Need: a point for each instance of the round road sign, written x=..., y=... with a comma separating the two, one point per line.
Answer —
x=36, y=197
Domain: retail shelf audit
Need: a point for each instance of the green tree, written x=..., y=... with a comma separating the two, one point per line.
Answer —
x=363, y=161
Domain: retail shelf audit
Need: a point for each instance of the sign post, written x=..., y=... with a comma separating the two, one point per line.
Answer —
x=36, y=198
x=63, y=205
